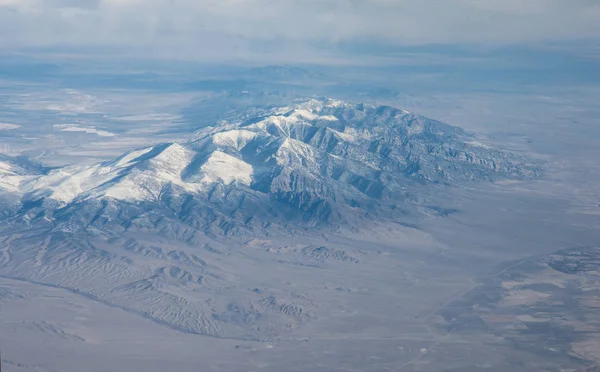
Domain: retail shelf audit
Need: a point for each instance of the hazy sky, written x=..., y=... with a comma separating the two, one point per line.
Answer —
x=222, y=26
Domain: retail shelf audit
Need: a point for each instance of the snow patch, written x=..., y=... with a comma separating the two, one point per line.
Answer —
x=6, y=168
x=236, y=139
x=65, y=184
x=308, y=115
x=129, y=157
x=127, y=189
x=115, y=180
x=344, y=136
x=173, y=159
x=221, y=167
x=296, y=152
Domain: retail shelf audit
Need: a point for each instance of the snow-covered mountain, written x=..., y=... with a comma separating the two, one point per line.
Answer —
x=198, y=236
x=319, y=162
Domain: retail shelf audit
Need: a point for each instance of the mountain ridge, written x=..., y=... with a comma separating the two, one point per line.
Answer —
x=320, y=162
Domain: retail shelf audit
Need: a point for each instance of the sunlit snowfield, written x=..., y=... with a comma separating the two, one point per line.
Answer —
x=474, y=275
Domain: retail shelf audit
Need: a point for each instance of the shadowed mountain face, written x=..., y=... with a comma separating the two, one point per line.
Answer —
x=317, y=163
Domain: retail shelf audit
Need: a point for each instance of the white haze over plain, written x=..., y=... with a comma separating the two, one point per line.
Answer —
x=235, y=26
x=88, y=130
x=8, y=126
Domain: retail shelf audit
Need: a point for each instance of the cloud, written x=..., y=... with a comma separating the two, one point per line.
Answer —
x=241, y=25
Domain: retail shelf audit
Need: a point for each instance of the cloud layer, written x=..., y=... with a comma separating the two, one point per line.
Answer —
x=231, y=24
